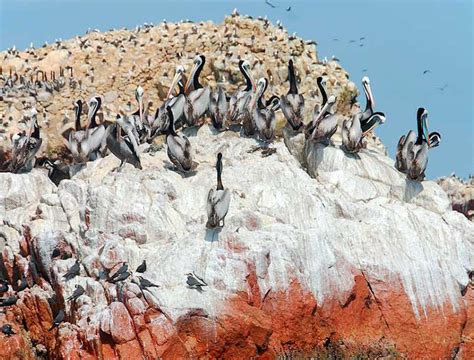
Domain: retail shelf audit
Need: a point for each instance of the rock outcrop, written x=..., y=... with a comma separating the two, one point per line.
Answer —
x=361, y=264
x=461, y=194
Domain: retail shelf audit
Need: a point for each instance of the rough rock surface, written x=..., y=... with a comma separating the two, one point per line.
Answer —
x=361, y=264
x=461, y=194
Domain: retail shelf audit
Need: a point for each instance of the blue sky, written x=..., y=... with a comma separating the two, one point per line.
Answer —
x=402, y=39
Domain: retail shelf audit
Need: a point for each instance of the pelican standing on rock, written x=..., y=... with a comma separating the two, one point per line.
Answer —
x=139, y=115
x=197, y=96
x=25, y=147
x=218, y=200
x=178, y=147
x=324, y=124
x=370, y=119
x=240, y=99
x=352, y=138
x=218, y=107
x=292, y=104
x=264, y=114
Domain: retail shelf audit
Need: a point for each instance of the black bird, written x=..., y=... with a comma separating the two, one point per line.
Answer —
x=270, y=4
x=3, y=286
x=288, y=8
x=144, y=283
x=78, y=292
x=142, y=267
x=362, y=38
x=57, y=320
x=123, y=276
x=56, y=252
x=426, y=72
x=23, y=284
x=195, y=282
x=73, y=271
x=351, y=41
x=7, y=330
x=120, y=271
x=11, y=300
x=335, y=39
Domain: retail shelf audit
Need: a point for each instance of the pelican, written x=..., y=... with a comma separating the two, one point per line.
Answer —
x=161, y=122
x=292, y=104
x=85, y=145
x=197, y=96
x=408, y=141
x=370, y=119
x=240, y=99
x=123, y=146
x=139, y=115
x=178, y=147
x=352, y=137
x=218, y=107
x=264, y=114
x=417, y=152
x=25, y=147
x=218, y=200
x=324, y=124
x=320, y=81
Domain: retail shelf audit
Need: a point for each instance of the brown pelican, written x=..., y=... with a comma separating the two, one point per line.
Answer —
x=417, y=152
x=197, y=96
x=352, y=138
x=122, y=144
x=25, y=147
x=218, y=200
x=370, y=119
x=139, y=116
x=292, y=104
x=218, y=107
x=324, y=124
x=241, y=98
x=161, y=122
x=178, y=147
x=402, y=162
x=263, y=115
x=85, y=145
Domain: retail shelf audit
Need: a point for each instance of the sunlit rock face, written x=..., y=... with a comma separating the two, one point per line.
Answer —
x=330, y=253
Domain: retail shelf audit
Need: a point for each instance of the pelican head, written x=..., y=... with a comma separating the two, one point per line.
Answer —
x=94, y=105
x=139, y=93
x=368, y=92
x=198, y=62
x=244, y=66
x=262, y=84
x=177, y=77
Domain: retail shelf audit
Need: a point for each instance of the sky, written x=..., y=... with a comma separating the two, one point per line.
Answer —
x=402, y=39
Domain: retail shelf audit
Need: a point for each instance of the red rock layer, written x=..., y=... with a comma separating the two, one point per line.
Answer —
x=374, y=318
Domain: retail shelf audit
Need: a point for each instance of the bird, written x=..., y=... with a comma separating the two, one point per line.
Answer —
x=57, y=320
x=426, y=72
x=292, y=104
x=238, y=103
x=3, y=286
x=7, y=330
x=23, y=284
x=270, y=4
x=56, y=252
x=144, y=283
x=218, y=107
x=77, y=292
x=324, y=124
x=195, y=282
x=197, y=97
x=11, y=300
x=123, y=146
x=121, y=277
x=218, y=200
x=370, y=119
x=142, y=267
x=178, y=147
x=73, y=271
x=263, y=115
x=288, y=8
x=139, y=115
x=320, y=81
x=25, y=147
x=122, y=269
x=58, y=172
x=351, y=132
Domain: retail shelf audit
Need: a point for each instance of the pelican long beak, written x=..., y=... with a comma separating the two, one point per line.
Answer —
x=140, y=108
x=191, y=78
x=177, y=77
x=368, y=93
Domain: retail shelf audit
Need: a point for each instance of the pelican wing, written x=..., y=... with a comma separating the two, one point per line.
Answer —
x=200, y=101
x=96, y=137
x=218, y=202
x=326, y=127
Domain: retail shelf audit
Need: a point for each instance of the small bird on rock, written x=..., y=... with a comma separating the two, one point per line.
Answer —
x=11, y=300
x=73, y=271
x=3, y=286
x=120, y=271
x=142, y=267
x=58, y=319
x=123, y=276
x=78, y=292
x=7, y=330
x=195, y=282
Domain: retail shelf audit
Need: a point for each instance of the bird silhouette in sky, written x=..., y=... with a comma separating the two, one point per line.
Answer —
x=426, y=72
x=270, y=4
x=288, y=8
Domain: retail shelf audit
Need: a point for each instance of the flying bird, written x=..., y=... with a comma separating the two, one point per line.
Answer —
x=426, y=72
x=270, y=4
x=288, y=8
x=362, y=38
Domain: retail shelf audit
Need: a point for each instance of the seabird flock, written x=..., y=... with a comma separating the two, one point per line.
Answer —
x=246, y=110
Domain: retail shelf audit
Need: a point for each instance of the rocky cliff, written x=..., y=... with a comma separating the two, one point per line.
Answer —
x=323, y=253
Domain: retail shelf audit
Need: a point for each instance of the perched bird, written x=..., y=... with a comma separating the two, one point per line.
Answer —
x=7, y=330
x=197, y=97
x=56, y=252
x=370, y=119
x=123, y=146
x=238, y=104
x=324, y=124
x=123, y=276
x=25, y=147
x=195, y=282
x=11, y=300
x=73, y=271
x=122, y=269
x=141, y=268
x=144, y=283
x=57, y=320
x=292, y=104
x=3, y=286
x=218, y=200
x=218, y=107
x=77, y=292
x=178, y=147
x=352, y=134
x=263, y=115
